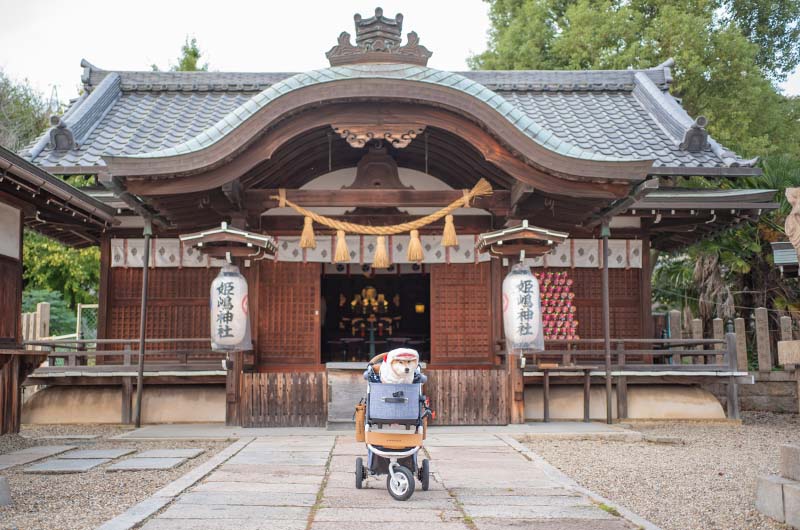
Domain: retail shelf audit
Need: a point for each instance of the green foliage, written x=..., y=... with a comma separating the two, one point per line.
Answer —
x=727, y=54
x=62, y=319
x=189, y=60
x=23, y=113
x=48, y=264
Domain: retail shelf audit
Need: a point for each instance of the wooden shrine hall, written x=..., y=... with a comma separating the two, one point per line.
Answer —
x=338, y=165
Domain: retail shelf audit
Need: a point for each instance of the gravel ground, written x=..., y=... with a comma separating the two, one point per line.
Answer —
x=707, y=482
x=84, y=500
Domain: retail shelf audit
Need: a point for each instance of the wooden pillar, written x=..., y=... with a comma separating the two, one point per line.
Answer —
x=233, y=393
x=622, y=384
x=719, y=333
x=786, y=334
x=741, y=344
x=762, y=340
x=546, y=395
x=675, y=332
x=697, y=333
x=587, y=393
x=126, y=414
x=605, y=232
x=733, y=390
x=516, y=387
x=42, y=321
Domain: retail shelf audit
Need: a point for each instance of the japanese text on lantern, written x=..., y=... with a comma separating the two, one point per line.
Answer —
x=525, y=305
x=225, y=293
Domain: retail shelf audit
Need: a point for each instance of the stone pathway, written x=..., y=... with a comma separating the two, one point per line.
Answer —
x=31, y=454
x=480, y=482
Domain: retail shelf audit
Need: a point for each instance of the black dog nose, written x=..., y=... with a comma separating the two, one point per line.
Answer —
x=408, y=369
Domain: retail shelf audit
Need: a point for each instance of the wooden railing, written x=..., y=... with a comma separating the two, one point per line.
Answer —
x=641, y=354
x=692, y=358
x=114, y=355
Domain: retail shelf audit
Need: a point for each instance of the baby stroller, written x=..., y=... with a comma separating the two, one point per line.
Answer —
x=394, y=453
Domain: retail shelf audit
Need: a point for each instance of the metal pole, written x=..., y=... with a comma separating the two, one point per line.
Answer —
x=148, y=231
x=604, y=233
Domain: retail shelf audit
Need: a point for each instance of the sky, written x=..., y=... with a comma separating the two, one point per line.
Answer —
x=43, y=41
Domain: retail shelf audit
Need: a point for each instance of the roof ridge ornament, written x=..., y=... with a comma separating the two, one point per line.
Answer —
x=378, y=40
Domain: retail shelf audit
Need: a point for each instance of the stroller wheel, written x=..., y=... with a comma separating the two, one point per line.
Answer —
x=359, y=473
x=425, y=474
x=401, y=487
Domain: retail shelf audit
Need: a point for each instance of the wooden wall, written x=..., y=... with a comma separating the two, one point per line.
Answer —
x=461, y=315
x=10, y=300
x=468, y=397
x=286, y=315
x=11, y=368
x=283, y=399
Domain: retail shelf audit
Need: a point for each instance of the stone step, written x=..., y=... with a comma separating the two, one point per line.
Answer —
x=790, y=461
x=770, y=496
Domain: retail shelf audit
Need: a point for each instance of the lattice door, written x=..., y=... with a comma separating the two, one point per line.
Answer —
x=288, y=313
x=461, y=320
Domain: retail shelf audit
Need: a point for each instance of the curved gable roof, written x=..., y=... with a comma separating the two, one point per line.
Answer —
x=398, y=72
x=622, y=114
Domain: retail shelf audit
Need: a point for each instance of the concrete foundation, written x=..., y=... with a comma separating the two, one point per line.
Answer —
x=103, y=404
x=645, y=402
x=772, y=392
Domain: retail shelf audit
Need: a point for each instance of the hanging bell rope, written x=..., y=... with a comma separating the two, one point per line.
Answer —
x=381, y=258
x=482, y=188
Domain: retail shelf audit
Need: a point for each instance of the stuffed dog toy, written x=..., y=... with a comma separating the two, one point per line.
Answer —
x=399, y=366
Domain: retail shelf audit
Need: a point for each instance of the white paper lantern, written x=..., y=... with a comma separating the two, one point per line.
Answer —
x=522, y=313
x=230, y=320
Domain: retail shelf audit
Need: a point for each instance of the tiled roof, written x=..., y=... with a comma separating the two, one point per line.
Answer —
x=587, y=114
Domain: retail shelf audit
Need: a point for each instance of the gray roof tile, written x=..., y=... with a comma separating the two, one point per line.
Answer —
x=597, y=113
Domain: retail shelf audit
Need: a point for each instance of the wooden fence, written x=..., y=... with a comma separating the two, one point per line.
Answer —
x=469, y=397
x=282, y=399
x=753, y=336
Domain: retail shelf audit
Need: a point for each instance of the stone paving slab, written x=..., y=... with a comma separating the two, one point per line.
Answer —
x=98, y=453
x=550, y=524
x=181, y=510
x=312, y=459
x=388, y=513
x=259, y=487
x=65, y=465
x=373, y=525
x=31, y=454
x=287, y=470
x=263, y=478
x=224, y=524
x=249, y=498
x=144, y=464
x=546, y=511
x=171, y=453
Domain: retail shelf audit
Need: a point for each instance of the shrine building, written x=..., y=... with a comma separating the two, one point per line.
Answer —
x=214, y=163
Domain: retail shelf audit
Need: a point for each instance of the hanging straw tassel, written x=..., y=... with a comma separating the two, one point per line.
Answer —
x=307, y=237
x=342, y=254
x=415, y=248
x=381, y=258
x=449, y=238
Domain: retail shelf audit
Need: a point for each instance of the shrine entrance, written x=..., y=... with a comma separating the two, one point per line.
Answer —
x=366, y=312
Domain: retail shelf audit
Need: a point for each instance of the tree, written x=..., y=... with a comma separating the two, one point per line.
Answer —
x=727, y=54
x=62, y=319
x=75, y=273
x=72, y=274
x=189, y=59
x=23, y=113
